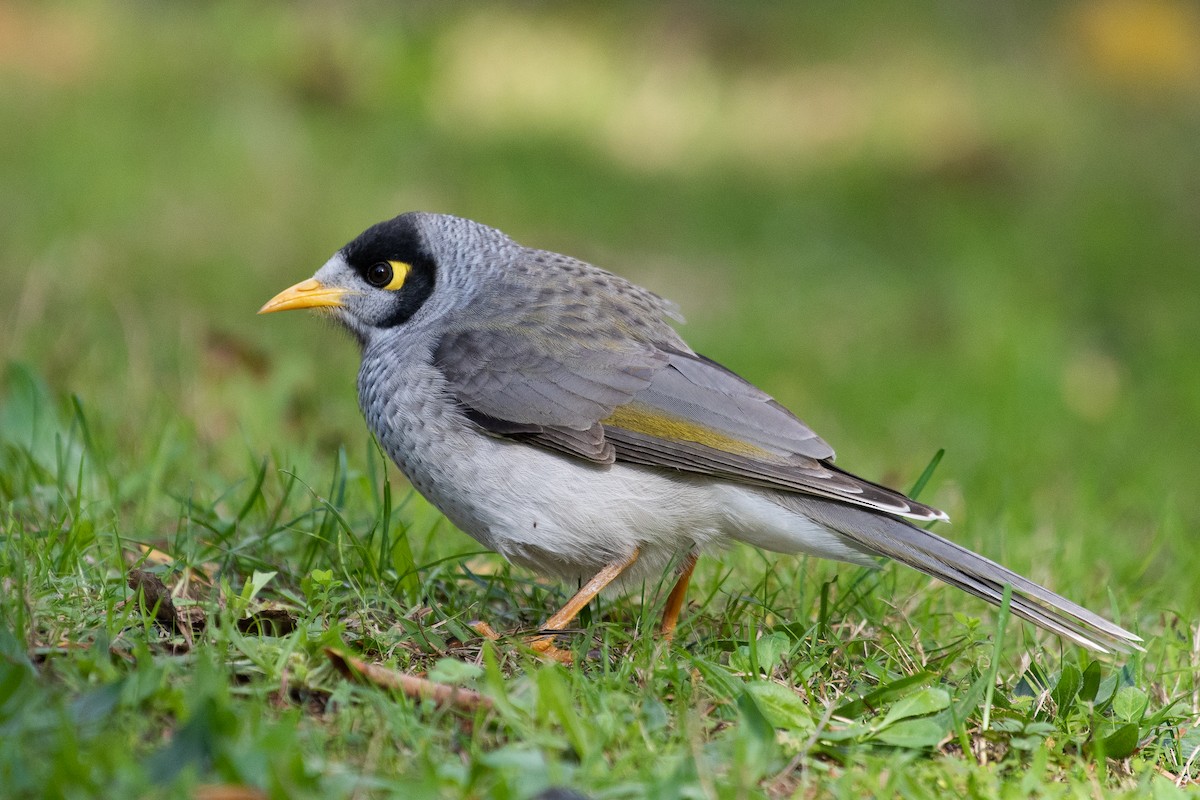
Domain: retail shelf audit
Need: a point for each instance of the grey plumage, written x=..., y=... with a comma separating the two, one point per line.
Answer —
x=552, y=412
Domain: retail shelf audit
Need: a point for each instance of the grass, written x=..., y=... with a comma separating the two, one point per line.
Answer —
x=979, y=235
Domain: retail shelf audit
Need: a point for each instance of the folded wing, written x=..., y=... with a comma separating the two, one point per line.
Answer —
x=697, y=416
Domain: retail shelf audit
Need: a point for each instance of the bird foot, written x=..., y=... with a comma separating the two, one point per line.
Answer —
x=484, y=630
x=546, y=648
x=542, y=644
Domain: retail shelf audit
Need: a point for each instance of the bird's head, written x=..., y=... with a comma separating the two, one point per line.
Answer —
x=415, y=264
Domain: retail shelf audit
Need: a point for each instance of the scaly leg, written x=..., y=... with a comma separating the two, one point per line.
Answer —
x=544, y=643
x=678, y=596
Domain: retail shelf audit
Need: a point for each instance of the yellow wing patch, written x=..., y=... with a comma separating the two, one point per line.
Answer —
x=651, y=422
x=400, y=270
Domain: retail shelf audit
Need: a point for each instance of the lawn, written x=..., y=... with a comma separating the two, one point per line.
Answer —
x=936, y=227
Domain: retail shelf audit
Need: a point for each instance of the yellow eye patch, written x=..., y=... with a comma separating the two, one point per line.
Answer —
x=400, y=270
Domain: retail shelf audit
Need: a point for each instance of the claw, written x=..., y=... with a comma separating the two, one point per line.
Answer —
x=547, y=649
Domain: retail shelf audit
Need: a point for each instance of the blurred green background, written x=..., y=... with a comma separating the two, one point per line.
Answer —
x=963, y=225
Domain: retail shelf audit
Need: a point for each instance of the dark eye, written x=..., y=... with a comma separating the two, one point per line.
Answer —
x=379, y=274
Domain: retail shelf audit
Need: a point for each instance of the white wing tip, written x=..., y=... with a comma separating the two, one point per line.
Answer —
x=928, y=515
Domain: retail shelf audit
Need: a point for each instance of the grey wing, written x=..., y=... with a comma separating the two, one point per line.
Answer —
x=530, y=378
x=549, y=363
x=700, y=390
x=515, y=389
x=697, y=416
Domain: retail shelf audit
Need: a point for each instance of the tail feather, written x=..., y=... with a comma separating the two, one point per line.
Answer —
x=929, y=553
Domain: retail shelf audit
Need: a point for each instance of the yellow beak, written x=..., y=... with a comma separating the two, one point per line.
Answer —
x=306, y=294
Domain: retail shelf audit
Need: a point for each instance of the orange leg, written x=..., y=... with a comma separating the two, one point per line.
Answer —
x=677, y=597
x=544, y=644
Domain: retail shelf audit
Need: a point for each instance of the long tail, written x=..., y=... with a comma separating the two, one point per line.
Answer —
x=878, y=534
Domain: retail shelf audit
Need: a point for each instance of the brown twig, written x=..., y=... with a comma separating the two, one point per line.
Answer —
x=410, y=685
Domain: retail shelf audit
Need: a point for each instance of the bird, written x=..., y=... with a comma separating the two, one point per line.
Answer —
x=551, y=410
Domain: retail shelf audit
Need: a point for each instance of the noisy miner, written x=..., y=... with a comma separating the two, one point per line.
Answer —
x=549, y=409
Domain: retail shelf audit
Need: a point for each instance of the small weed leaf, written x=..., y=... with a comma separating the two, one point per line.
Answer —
x=1024, y=734
x=1065, y=690
x=914, y=734
x=781, y=706
x=258, y=581
x=753, y=717
x=769, y=649
x=1121, y=743
x=318, y=586
x=1106, y=692
x=1091, y=683
x=919, y=704
x=1130, y=704
x=873, y=700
